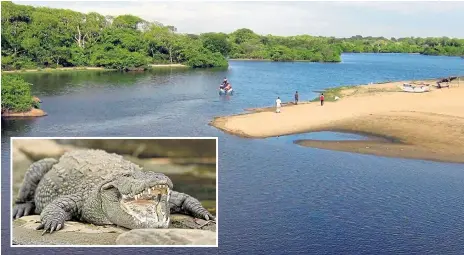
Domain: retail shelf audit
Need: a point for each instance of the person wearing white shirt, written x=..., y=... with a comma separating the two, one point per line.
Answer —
x=278, y=105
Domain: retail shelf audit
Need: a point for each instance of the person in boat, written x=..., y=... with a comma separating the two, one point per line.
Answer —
x=224, y=83
x=227, y=87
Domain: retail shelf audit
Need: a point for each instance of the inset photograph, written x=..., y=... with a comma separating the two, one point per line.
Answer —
x=114, y=192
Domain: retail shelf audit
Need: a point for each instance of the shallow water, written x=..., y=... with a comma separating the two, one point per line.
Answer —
x=322, y=135
x=273, y=194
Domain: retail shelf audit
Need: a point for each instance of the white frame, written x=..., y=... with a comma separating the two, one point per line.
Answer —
x=121, y=138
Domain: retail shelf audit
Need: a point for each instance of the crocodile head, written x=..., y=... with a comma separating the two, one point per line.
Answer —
x=137, y=199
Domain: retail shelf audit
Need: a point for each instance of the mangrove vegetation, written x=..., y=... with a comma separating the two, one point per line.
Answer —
x=16, y=95
x=40, y=37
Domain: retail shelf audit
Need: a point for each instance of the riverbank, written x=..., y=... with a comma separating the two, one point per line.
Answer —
x=87, y=68
x=59, y=69
x=34, y=112
x=419, y=125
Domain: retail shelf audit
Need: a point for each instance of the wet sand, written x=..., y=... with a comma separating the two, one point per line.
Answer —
x=418, y=125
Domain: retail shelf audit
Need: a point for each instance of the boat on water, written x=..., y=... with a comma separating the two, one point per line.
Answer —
x=415, y=89
x=226, y=92
x=225, y=88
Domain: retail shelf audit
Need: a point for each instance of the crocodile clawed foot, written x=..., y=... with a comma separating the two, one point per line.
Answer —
x=50, y=225
x=22, y=209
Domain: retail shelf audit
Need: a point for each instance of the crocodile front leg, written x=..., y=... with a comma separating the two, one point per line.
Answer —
x=25, y=202
x=186, y=204
x=58, y=211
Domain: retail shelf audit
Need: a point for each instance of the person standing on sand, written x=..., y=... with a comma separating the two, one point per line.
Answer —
x=296, y=97
x=322, y=99
x=278, y=105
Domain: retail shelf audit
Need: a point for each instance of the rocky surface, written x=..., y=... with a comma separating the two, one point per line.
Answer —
x=36, y=99
x=184, y=230
x=31, y=113
x=167, y=237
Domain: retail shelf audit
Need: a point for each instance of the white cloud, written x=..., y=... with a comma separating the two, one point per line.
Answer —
x=408, y=7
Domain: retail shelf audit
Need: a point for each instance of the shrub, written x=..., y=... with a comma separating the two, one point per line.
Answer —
x=16, y=94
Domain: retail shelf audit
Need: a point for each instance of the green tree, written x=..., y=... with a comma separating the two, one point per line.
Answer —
x=16, y=94
x=216, y=42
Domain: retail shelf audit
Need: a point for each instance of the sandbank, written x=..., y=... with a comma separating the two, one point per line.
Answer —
x=34, y=112
x=426, y=125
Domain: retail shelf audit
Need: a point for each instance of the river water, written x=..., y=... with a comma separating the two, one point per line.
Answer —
x=274, y=196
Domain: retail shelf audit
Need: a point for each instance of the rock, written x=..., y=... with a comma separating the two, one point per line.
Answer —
x=36, y=99
x=37, y=149
x=167, y=237
x=34, y=112
x=188, y=222
x=77, y=233
x=74, y=233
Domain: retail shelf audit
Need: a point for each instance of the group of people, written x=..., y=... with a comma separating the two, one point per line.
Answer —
x=279, y=102
x=225, y=85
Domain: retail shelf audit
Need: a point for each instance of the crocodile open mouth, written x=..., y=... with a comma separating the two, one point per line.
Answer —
x=149, y=207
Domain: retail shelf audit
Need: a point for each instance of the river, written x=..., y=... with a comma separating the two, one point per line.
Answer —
x=273, y=194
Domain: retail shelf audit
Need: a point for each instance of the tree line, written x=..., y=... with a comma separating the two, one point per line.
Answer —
x=37, y=37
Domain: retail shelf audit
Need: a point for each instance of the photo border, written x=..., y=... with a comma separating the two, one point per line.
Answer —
x=111, y=138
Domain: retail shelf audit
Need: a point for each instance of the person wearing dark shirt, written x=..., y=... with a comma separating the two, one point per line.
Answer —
x=224, y=83
x=296, y=97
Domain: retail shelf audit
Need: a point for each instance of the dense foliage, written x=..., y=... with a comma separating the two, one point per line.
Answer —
x=428, y=46
x=16, y=94
x=45, y=37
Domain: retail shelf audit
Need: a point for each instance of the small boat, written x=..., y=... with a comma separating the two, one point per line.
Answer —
x=224, y=92
x=415, y=89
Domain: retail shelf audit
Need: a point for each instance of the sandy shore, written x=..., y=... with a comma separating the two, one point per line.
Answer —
x=418, y=125
x=86, y=68
x=58, y=69
x=31, y=113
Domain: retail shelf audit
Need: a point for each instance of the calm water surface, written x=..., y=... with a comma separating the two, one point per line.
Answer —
x=273, y=195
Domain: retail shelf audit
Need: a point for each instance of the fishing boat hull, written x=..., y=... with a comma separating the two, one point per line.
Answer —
x=415, y=89
x=228, y=92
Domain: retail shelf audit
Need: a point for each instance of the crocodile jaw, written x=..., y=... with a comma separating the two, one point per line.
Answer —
x=149, y=208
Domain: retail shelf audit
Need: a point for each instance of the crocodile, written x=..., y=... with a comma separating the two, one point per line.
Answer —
x=100, y=188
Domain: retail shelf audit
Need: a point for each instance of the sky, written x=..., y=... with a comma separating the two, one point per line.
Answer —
x=334, y=18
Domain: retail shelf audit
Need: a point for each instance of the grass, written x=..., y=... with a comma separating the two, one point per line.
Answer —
x=331, y=93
